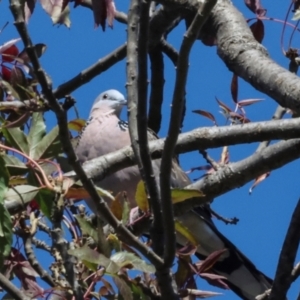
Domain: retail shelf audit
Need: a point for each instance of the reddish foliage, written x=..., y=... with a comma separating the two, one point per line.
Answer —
x=9, y=54
x=256, y=7
x=6, y=73
x=258, y=30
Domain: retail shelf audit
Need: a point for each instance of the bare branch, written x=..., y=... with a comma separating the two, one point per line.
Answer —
x=88, y=74
x=11, y=289
x=283, y=276
x=27, y=240
x=174, y=129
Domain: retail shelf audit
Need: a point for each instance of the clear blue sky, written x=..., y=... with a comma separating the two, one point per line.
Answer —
x=264, y=215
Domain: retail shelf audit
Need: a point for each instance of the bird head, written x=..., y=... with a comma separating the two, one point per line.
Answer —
x=110, y=101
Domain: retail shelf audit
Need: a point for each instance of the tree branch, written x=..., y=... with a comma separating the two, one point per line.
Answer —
x=102, y=207
x=11, y=289
x=283, y=277
x=88, y=74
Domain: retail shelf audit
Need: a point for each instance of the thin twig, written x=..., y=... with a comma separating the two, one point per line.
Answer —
x=174, y=128
x=88, y=74
x=283, y=277
x=278, y=114
x=27, y=240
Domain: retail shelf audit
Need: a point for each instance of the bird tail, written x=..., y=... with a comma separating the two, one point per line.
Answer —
x=241, y=274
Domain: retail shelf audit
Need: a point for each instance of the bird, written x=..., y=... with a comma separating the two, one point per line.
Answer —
x=105, y=132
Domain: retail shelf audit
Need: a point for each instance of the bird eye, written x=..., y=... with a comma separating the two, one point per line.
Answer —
x=105, y=96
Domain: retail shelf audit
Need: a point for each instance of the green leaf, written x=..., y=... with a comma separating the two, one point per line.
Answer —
x=16, y=138
x=50, y=145
x=124, y=259
x=15, y=166
x=8, y=87
x=6, y=234
x=184, y=231
x=5, y=220
x=123, y=287
x=36, y=133
x=87, y=228
x=44, y=198
x=93, y=258
x=179, y=195
x=24, y=192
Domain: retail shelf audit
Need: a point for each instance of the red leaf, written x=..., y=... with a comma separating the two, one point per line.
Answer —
x=28, y=9
x=258, y=30
x=206, y=114
x=6, y=73
x=100, y=12
x=103, y=9
x=249, y=102
x=10, y=54
x=256, y=7
x=223, y=106
x=234, y=87
x=258, y=180
x=8, y=45
x=210, y=260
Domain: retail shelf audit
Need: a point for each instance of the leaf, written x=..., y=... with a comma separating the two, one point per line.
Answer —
x=44, y=198
x=205, y=114
x=18, y=79
x=87, y=228
x=179, y=195
x=24, y=192
x=49, y=146
x=116, y=206
x=249, y=102
x=54, y=9
x=100, y=12
x=234, y=87
x=296, y=16
x=77, y=191
x=6, y=234
x=8, y=44
x=76, y=124
x=141, y=197
x=85, y=254
x=258, y=30
x=184, y=231
x=9, y=88
x=258, y=180
x=16, y=138
x=36, y=133
x=131, y=261
x=210, y=260
x=123, y=287
x=28, y=9
x=14, y=165
x=256, y=7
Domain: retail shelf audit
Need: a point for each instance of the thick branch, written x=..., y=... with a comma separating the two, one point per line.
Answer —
x=207, y=137
x=248, y=59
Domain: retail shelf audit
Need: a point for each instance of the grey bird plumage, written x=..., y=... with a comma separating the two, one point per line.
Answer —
x=105, y=133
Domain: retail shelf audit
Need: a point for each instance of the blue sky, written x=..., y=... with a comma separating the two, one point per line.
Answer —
x=264, y=215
